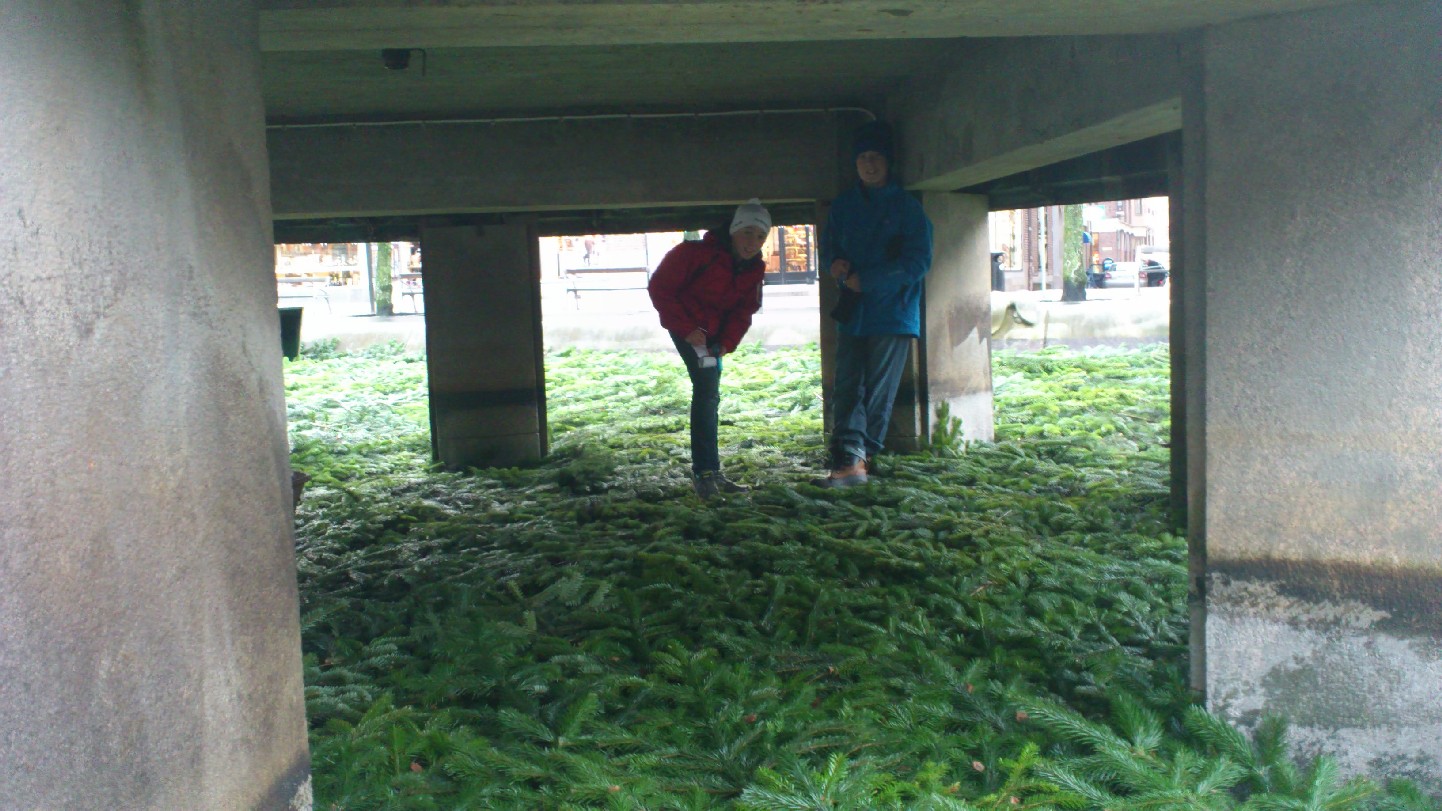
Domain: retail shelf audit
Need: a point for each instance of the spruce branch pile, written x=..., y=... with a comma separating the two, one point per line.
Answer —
x=987, y=626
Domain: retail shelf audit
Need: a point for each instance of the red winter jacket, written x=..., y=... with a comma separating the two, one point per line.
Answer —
x=700, y=286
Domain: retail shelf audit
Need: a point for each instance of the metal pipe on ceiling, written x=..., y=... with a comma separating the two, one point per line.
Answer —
x=563, y=118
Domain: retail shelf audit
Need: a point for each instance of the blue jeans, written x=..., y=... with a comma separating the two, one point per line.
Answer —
x=868, y=372
x=705, y=405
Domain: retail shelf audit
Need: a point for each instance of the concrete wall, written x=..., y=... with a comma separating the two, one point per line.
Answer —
x=553, y=164
x=1317, y=211
x=149, y=644
x=1009, y=105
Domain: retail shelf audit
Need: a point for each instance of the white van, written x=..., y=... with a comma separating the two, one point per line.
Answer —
x=1161, y=254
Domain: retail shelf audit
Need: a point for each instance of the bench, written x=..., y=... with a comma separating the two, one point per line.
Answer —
x=309, y=287
x=578, y=279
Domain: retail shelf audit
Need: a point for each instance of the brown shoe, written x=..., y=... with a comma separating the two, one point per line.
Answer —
x=844, y=477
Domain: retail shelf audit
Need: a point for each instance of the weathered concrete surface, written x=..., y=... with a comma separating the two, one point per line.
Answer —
x=483, y=339
x=1344, y=659
x=1323, y=294
x=149, y=641
x=1323, y=179
x=1005, y=106
x=303, y=25
x=548, y=165
x=322, y=59
x=958, y=314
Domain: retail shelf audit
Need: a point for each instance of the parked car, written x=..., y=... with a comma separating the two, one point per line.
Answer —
x=1122, y=274
x=1155, y=259
x=1155, y=273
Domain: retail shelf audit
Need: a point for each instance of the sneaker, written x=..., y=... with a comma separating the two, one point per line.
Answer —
x=844, y=477
x=851, y=480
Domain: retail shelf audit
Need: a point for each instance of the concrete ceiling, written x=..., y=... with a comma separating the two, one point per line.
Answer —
x=498, y=58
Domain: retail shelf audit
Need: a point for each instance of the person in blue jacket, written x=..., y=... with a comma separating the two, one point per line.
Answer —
x=876, y=244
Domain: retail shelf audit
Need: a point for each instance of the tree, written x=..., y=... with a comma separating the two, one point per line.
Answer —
x=384, y=305
x=1073, y=255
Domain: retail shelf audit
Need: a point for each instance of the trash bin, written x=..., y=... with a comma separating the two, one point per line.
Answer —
x=290, y=331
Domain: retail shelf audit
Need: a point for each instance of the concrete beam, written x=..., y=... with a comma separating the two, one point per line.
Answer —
x=552, y=164
x=1012, y=106
x=1127, y=172
x=299, y=25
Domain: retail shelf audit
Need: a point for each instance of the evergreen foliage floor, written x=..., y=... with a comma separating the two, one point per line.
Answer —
x=985, y=626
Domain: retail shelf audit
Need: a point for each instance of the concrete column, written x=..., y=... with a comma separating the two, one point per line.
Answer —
x=828, y=295
x=1187, y=339
x=1317, y=188
x=149, y=640
x=957, y=317
x=483, y=344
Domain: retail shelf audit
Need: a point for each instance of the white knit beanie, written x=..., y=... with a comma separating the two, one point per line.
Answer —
x=750, y=213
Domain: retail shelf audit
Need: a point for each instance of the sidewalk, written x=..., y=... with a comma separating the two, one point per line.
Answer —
x=789, y=316
x=1115, y=317
x=595, y=320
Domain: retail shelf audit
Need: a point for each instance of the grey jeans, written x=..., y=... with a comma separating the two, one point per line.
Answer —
x=868, y=371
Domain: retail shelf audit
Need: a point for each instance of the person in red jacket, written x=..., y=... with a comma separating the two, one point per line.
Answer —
x=706, y=293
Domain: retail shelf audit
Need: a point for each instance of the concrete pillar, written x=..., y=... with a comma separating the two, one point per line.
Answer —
x=828, y=295
x=1187, y=340
x=149, y=640
x=483, y=344
x=1312, y=182
x=957, y=317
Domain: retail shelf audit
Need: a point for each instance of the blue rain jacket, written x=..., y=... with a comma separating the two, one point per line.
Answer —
x=887, y=238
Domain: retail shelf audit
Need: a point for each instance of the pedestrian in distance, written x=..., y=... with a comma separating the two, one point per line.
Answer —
x=876, y=244
x=706, y=293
